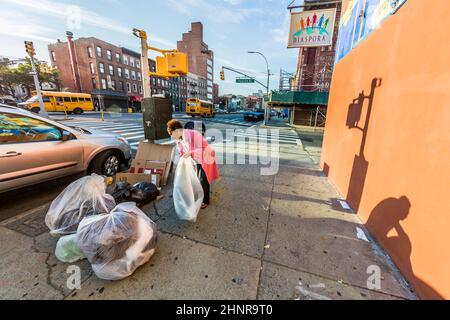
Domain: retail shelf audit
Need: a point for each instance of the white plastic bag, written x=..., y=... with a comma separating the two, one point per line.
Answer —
x=67, y=249
x=187, y=190
x=83, y=197
x=116, y=244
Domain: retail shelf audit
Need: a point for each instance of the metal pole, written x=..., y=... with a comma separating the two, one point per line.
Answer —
x=38, y=88
x=267, y=87
x=315, y=121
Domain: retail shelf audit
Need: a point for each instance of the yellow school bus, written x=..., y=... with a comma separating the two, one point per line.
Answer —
x=197, y=107
x=61, y=101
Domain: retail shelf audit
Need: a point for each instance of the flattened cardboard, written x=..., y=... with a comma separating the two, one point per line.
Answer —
x=156, y=157
x=133, y=178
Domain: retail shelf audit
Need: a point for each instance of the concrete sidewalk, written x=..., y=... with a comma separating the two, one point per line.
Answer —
x=284, y=236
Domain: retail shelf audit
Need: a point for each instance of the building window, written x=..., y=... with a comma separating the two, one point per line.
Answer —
x=153, y=81
x=159, y=82
x=128, y=87
x=117, y=57
x=111, y=70
x=90, y=52
x=99, y=51
x=94, y=83
x=109, y=55
x=113, y=85
x=53, y=56
x=104, y=84
x=91, y=65
x=131, y=61
x=120, y=86
x=140, y=89
x=139, y=76
x=101, y=67
x=134, y=87
x=127, y=73
x=210, y=63
x=119, y=72
x=138, y=63
x=133, y=75
x=125, y=59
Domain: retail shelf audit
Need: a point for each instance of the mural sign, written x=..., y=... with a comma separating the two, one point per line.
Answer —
x=312, y=28
x=359, y=18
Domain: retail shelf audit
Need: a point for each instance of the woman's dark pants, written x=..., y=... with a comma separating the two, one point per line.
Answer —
x=204, y=183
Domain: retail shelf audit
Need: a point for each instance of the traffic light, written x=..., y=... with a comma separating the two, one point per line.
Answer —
x=222, y=75
x=29, y=47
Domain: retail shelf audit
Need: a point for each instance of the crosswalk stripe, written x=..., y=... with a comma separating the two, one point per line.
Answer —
x=268, y=139
x=129, y=133
x=128, y=130
x=134, y=137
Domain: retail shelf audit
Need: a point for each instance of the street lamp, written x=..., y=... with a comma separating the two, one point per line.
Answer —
x=268, y=79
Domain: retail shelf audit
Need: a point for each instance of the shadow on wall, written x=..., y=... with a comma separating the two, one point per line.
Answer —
x=360, y=164
x=384, y=218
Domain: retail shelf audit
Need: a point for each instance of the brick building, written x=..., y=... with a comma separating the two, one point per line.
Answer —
x=315, y=64
x=201, y=59
x=197, y=87
x=215, y=93
x=112, y=74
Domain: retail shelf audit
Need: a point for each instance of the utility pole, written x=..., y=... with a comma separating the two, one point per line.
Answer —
x=267, y=87
x=29, y=47
x=144, y=62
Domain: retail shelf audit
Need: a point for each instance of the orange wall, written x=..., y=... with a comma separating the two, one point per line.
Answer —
x=400, y=182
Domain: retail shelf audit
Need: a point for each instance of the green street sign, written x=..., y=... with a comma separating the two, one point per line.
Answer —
x=245, y=80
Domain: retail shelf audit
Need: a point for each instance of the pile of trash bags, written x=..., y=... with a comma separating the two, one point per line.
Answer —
x=141, y=193
x=116, y=244
x=116, y=239
x=187, y=191
x=83, y=197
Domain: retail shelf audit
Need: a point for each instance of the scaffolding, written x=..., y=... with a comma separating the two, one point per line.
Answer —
x=286, y=80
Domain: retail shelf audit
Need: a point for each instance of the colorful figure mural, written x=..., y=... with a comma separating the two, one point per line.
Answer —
x=312, y=28
x=352, y=28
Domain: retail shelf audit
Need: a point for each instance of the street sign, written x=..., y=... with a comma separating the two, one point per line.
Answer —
x=245, y=80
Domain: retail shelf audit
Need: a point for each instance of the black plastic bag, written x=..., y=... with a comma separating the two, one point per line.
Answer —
x=143, y=193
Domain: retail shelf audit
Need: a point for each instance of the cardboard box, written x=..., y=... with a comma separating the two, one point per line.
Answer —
x=155, y=158
x=133, y=178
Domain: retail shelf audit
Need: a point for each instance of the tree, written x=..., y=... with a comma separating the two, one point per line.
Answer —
x=22, y=75
x=8, y=80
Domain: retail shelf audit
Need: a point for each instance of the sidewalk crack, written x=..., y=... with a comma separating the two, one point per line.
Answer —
x=265, y=240
x=48, y=266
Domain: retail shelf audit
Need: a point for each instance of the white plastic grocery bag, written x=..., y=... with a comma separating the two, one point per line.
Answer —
x=187, y=190
x=117, y=243
x=83, y=197
x=67, y=249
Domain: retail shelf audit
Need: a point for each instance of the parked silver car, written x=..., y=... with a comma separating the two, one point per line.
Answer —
x=35, y=149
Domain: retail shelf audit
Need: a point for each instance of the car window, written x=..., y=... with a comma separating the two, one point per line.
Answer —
x=16, y=128
x=46, y=99
x=66, y=99
x=74, y=100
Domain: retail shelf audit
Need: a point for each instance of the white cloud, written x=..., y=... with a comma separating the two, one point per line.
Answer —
x=88, y=17
x=280, y=34
x=214, y=12
x=26, y=29
x=233, y=2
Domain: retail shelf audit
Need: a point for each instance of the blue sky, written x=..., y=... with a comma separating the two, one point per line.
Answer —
x=231, y=28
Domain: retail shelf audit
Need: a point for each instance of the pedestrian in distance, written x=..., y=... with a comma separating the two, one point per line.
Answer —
x=191, y=143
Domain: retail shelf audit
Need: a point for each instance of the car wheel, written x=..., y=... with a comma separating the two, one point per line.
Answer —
x=107, y=163
x=35, y=110
x=77, y=111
